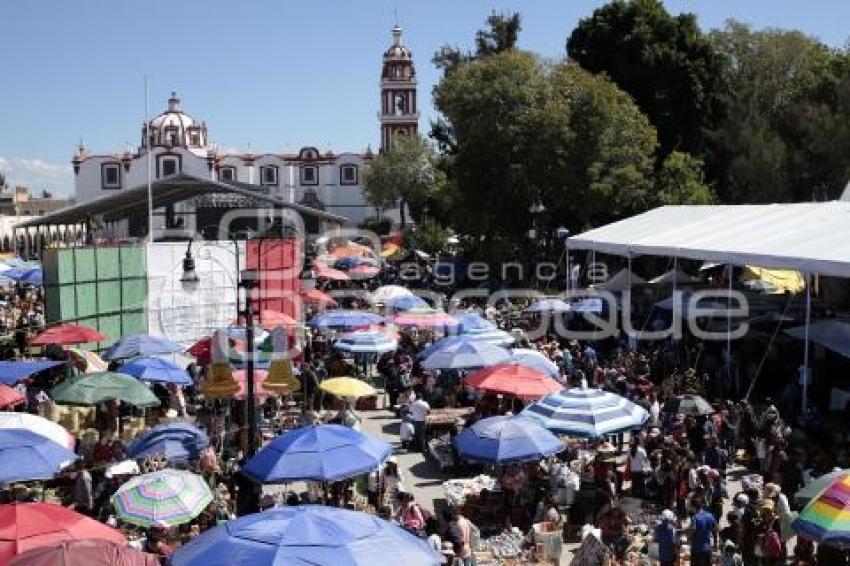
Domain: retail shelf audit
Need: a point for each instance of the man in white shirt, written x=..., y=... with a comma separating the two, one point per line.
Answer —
x=419, y=410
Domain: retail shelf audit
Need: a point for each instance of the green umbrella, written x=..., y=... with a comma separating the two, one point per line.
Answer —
x=100, y=387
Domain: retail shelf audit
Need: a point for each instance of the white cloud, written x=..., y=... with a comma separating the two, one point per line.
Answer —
x=38, y=175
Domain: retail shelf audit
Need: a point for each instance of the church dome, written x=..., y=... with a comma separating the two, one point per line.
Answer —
x=175, y=128
x=397, y=50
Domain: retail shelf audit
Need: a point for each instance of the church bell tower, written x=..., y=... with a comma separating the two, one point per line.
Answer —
x=399, y=114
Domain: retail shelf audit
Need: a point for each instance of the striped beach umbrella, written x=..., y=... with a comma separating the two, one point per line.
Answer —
x=366, y=342
x=586, y=412
x=826, y=519
x=166, y=498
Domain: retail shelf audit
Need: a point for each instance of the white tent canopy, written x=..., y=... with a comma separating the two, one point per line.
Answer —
x=832, y=334
x=810, y=237
x=620, y=281
x=674, y=276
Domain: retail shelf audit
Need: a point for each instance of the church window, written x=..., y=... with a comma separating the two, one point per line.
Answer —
x=169, y=167
x=227, y=174
x=110, y=176
x=268, y=174
x=348, y=175
x=196, y=138
x=400, y=105
x=309, y=175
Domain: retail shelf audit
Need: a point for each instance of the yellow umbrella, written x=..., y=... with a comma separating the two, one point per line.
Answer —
x=347, y=387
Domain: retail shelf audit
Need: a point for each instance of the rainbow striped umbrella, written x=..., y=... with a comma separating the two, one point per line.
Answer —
x=164, y=499
x=826, y=518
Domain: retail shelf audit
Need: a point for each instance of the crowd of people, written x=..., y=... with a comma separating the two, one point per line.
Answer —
x=679, y=468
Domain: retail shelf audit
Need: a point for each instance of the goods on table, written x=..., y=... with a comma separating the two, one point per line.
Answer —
x=457, y=491
x=446, y=417
x=507, y=544
x=440, y=450
x=752, y=481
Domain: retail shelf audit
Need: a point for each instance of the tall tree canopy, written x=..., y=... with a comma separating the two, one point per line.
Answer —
x=406, y=176
x=664, y=62
x=787, y=125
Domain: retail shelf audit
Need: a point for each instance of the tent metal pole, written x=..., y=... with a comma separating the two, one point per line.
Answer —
x=729, y=327
x=805, y=372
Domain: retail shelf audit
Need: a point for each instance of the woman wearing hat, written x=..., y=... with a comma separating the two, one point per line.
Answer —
x=667, y=538
x=392, y=485
x=782, y=509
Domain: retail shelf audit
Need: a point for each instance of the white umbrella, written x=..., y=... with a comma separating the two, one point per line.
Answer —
x=125, y=468
x=389, y=292
x=38, y=425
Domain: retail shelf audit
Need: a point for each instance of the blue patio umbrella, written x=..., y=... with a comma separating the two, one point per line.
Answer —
x=440, y=344
x=536, y=360
x=156, y=370
x=466, y=353
x=589, y=305
x=321, y=453
x=406, y=303
x=549, y=305
x=366, y=342
x=134, y=345
x=348, y=262
x=26, y=456
x=586, y=412
x=307, y=535
x=344, y=319
x=11, y=372
x=506, y=440
x=178, y=442
x=30, y=275
x=471, y=321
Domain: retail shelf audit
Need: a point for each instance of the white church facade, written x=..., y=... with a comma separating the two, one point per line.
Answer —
x=175, y=143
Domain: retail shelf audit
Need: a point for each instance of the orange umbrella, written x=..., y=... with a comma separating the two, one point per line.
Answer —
x=513, y=379
x=316, y=297
x=352, y=249
x=67, y=334
x=269, y=320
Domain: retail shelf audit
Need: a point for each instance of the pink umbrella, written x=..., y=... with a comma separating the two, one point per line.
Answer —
x=241, y=376
x=425, y=320
x=91, y=552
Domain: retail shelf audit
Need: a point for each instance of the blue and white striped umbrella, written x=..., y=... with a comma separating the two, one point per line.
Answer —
x=549, y=305
x=366, y=342
x=345, y=319
x=535, y=359
x=491, y=336
x=585, y=412
x=470, y=321
x=466, y=353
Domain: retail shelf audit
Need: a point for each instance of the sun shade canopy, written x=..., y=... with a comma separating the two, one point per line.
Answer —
x=177, y=188
x=810, y=237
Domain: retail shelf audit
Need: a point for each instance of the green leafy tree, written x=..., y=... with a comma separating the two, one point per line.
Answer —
x=431, y=236
x=663, y=61
x=680, y=180
x=406, y=175
x=785, y=132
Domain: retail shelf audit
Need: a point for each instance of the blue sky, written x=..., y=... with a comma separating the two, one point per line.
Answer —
x=269, y=75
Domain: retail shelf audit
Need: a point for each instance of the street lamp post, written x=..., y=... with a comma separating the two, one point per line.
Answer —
x=247, y=281
x=564, y=234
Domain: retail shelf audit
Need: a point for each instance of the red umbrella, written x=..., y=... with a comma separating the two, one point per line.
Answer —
x=9, y=397
x=325, y=272
x=29, y=525
x=316, y=297
x=514, y=379
x=269, y=320
x=202, y=349
x=67, y=334
x=88, y=552
x=241, y=376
